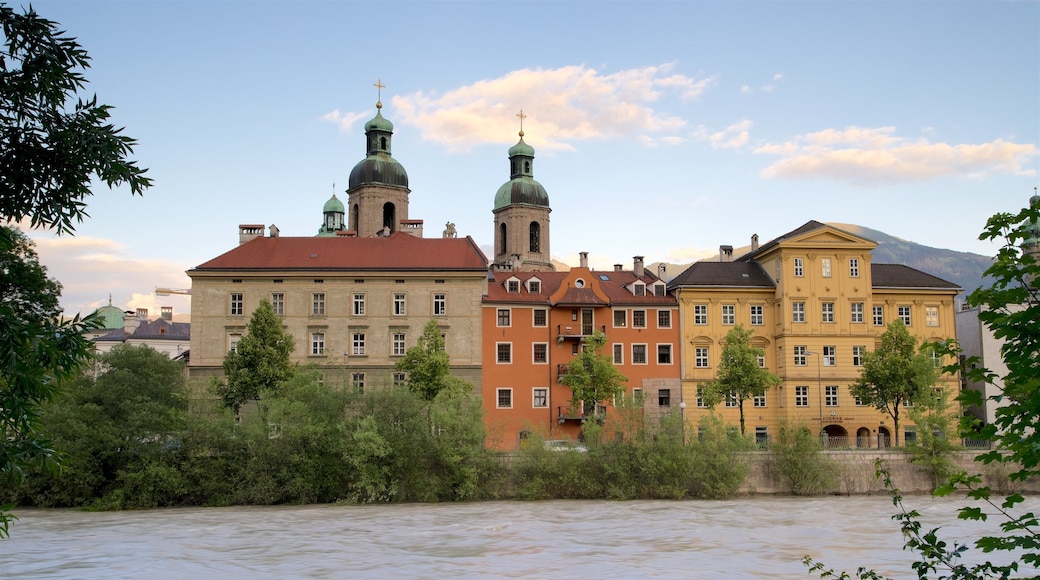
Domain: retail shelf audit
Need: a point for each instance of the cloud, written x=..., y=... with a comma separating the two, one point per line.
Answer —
x=877, y=155
x=732, y=137
x=562, y=106
x=344, y=120
x=91, y=270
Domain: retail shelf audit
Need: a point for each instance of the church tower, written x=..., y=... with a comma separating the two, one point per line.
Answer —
x=378, y=188
x=333, y=220
x=522, y=215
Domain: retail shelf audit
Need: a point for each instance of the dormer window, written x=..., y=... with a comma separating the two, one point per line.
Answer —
x=659, y=289
x=513, y=286
x=534, y=286
x=639, y=289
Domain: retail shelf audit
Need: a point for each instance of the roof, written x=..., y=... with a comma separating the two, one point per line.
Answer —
x=398, y=252
x=805, y=228
x=612, y=284
x=901, y=276
x=160, y=329
x=724, y=274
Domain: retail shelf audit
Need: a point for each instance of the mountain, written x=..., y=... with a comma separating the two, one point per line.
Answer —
x=962, y=268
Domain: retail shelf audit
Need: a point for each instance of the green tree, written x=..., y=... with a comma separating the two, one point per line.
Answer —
x=592, y=376
x=739, y=377
x=798, y=460
x=895, y=374
x=260, y=363
x=49, y=152
x=429, y=367
x=933, y=445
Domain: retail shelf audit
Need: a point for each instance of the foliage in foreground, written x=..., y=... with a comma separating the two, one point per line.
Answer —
x=1010, y=309
x=798, y=460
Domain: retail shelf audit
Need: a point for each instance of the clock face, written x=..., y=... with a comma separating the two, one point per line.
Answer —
x=579, y=283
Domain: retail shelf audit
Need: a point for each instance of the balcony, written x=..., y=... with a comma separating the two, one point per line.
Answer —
x=576, y=331
x=580, y=414
x=561, y=371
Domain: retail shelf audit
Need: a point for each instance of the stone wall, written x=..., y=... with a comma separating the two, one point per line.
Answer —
x=854, y=473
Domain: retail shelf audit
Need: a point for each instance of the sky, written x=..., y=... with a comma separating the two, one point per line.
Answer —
x=661, y=129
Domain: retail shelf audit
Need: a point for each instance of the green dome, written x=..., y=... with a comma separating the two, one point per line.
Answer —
x=113, y=317
x=334, y=205
x=378, y=170
x=521, y=148
x=521, y=190
x=378, y=123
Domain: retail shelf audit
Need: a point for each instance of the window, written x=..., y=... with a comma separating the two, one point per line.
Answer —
x=800, y=358
x=756, y=316
x=619, y=353
x=397, y=341
x=859, y=402
x=857, y=355
x=278, y=303
x=399, y=304
x=761, y=436
x=759, y=401
x=829, y=358
x=359, y=304
x=540, y=398
x=440, y=304
x=801, y=396
x=639, y=354
x=731, y=400
x=830, y=396
x=357, y=343
x=503, y=317
x=504, y=399
x=318, y=304
x=541, y=352
x=700, y=357
x=620, y=318
x=931, y=316
x=761, y=361
x=539, y=317
x=799, y=268
x=854, y=267
x=664, y=319
x=664, y=398
x=664, y=354
x=857, y=312
x=904, y=314
x=639, y=289
x=828, y=312
x=700, y=314
x=700, y=397
x=729, y=314
x=233, y=340
x=504, y=351
x=357, y=380
x=400, y=379
x=513, y=286
x=639, y=319
x=236, y=304
x=825, y=267
x=879, y=315
x=660, y=290
x=317, y=343
x=534, y=286
x=798, y=311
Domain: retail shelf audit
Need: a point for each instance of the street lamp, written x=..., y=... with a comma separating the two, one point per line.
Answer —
x=682, y=415
x=819, y=385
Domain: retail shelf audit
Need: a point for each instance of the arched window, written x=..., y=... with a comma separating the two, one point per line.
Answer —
x=354, y=217
x=390, y=216
x=382, y=143
x=527, y=167
x=536, y=237
x=502, y=246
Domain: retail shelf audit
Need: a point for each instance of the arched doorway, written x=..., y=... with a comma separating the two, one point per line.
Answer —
x=884, y=437
x=836, y=437
x=863, y=437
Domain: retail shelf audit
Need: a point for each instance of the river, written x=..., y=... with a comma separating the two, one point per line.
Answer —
x=759, y=537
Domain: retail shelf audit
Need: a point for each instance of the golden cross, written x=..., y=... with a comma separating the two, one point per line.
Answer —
x=379, y=88
x=522, y=116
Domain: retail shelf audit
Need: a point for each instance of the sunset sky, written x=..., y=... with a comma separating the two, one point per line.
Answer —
x=661, y=129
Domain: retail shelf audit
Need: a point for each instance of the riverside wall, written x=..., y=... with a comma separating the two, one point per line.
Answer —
x=853, y=473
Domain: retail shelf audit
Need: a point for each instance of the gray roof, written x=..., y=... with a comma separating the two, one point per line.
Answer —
x=901, y=276
x=733, y=274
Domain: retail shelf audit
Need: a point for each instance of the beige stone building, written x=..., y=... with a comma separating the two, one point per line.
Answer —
x=355, y=297
x=815, y=303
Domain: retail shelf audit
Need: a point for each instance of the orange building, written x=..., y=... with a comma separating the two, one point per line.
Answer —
x=534, y=324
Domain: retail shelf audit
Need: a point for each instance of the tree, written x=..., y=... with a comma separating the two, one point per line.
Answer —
x=592, y=376
x=39, y=351
x=49, y=151
x=48, y=155
x=260, y=362
x=739, y=376
x=429, y=367
x=895, y=374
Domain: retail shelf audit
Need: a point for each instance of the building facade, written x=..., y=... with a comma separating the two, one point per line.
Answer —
x=815, y=304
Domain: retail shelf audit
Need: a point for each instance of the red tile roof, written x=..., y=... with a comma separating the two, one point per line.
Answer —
x=610, y=283
x=400, y=252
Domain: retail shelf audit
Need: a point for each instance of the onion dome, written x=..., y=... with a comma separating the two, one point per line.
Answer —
x=334, y=205
x=521, y=188
x=378, y=167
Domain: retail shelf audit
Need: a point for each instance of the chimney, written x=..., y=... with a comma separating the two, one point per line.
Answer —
x=662, y=269
x=583, y=259
x=618, y=267
x=247, y=232
x=725, y=253
x=637, y=266
x=132, y=321
x=166, y=313
x=142, y=313
x=274, y=231
x=754, y=242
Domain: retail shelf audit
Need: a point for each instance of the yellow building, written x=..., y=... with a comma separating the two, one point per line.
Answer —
x=815, y=304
